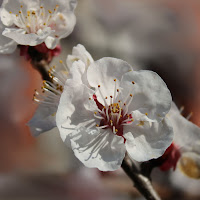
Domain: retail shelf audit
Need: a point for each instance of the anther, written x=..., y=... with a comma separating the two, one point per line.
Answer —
x=117, y=90
x=131, y=95
x=111, y=97
x=133, y=82
x=99, y=86
x=106, y=98
x=97, y=125
x=95, y=113
x=50, y=11
x=115, y=80
x=89, y=98
x=61, y=61
x=146, y=114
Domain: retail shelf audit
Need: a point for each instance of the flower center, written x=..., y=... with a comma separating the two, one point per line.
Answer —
x=34, y=20
x=114, y=115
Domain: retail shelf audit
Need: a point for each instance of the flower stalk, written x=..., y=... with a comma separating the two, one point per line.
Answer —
x=141, y=182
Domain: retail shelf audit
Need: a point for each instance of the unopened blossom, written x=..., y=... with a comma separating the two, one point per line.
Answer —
x=48, y=100
x=32, y=22
x=124, y=111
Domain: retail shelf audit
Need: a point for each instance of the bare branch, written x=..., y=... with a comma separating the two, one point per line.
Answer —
x=141, y=182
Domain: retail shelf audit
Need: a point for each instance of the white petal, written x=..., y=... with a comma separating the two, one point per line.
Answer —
x=75, y=109
x=43, y=119
x=79, y=53
x=104, y=151
x=13, y=6
x=64, y=5
x=185, y=132
x=103, y=72
x=148, y=140
x=150, y=93
x=51, y=42
x=7, y=45
x=32, y=39
x=78, y=72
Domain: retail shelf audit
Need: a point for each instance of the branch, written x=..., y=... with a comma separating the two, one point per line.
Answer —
x=141, y=182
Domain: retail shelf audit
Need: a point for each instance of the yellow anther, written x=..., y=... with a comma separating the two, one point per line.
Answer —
x=44, y=24
x=16, y=15
x=97, y=125
x=50, y=11
x=106, y=97
x=146, y=114
x=33, y=13
x=132, y=120
x=10, y=12
x=28, y=13
x=131, y=95
x=57, y=6
x=95, y=113
x=41, y=7
x=21, y=6
x=116, y=130
x=20, y=12
x=61, y=61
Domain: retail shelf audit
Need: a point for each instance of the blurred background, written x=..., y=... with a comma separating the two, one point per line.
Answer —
x=160, y=35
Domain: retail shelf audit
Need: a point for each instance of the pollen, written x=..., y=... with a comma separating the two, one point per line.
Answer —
x=61, y=61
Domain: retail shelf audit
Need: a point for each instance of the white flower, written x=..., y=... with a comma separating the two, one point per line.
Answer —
x=32, y=22
x=125, y=112
x=187, y=137
x=44, y=117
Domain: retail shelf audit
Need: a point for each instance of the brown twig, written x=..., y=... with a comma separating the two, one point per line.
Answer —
x=141, y=182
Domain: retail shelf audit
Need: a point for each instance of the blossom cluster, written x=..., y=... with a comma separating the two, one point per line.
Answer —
x=34, y=22
x=103, y=109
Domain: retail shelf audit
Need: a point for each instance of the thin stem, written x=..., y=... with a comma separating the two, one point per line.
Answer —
x=141, y=182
